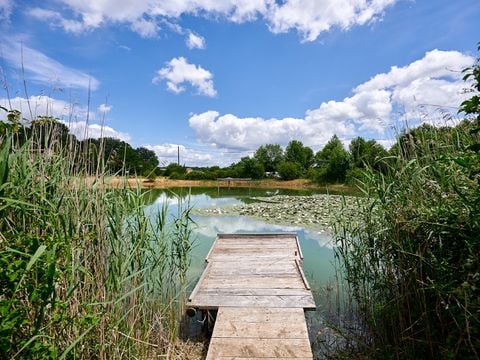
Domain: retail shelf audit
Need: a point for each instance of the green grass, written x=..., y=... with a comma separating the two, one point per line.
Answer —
x=84, y=271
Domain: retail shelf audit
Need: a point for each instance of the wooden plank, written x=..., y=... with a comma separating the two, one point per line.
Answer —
x=260, y=314
x=257, y=240
x=257, y=247
x=260, y=358
x=246, y=258
x=257, y=283
x=289, y=301
x=245, y=269
x=284, y=329
x=241, y=347
x=258, y=235
x=252, y=252
x=258, y=292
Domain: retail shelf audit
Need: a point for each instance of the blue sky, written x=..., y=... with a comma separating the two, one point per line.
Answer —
x=221, y=77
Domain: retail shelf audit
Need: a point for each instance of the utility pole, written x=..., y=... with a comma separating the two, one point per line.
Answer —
x=178, y=155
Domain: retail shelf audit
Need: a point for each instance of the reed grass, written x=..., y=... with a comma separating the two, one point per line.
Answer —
x=85, y=272
x=411, y=253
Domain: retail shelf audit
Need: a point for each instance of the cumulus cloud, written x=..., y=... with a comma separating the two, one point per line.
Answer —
x=145, y=28
x=195, y=41
x=432, y=81
x=5, y=8
x=70, y=114
x=82, y=130
x=104, y=108
x=178, y=71
x=43, y=69
x=312, y=17
x=168, y=153
x=36, y=106
x=308, y=17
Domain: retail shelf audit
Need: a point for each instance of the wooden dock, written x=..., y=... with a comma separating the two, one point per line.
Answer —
x=256, y=284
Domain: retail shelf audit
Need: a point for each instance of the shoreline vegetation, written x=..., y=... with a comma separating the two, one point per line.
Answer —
x=165, y=182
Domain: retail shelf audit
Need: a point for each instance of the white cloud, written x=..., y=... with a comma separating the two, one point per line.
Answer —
x=312, y=17
x=36, y=106
x=41, y=68
x=145, y=28
x=195, y=41
x=433, y=80
x=5, y=8
x=94, y=131
x=178, y=71
x=168, y=153
x=71, y=114
x=57, y=20
x=104, y=108
x=308, y=17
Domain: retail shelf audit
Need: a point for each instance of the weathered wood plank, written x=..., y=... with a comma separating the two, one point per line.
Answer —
x=291, y=301
x=249, y=291
x=264, y=282
x=260, y=358
x=265, y=330
x=241, y=347
x=260, y=314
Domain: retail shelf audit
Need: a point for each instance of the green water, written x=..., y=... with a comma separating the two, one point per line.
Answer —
x=316, y=247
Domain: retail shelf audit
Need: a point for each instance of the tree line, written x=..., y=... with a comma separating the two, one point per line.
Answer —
x=332, y=164
x=113, y=155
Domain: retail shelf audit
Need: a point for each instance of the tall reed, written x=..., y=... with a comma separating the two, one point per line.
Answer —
x=411, y=254
x=85, y=272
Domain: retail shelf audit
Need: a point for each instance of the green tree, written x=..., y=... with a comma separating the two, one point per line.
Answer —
x=366, y=153
x=333, y=161
x=174, y=170
x=270, y=156
x=148, y=161
x=289, y=170
x=297, y=153
x=250, y=168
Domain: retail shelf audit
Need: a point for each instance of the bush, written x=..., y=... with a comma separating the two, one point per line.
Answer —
x=289, y=170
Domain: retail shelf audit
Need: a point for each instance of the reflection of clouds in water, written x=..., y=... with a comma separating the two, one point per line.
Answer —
x=163, y=198
x=205, y=201
x=210, y=226
x=322, y=238
x=196, y=201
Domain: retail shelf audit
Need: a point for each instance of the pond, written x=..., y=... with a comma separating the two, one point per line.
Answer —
x=316, y=245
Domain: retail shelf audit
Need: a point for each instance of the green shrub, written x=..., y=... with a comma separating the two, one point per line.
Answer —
x=289, y=170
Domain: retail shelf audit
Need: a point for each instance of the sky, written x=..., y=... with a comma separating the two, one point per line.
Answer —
x=219, y=78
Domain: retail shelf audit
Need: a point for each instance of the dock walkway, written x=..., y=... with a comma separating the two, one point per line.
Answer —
x=256, y=284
